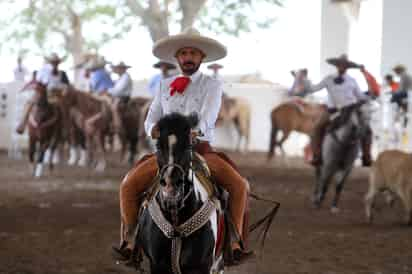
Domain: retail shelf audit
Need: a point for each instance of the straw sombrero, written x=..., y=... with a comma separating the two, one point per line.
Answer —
x=215, y=66
x=121, y=65
x=96, y=63
x=163, y=63
x=54, y=58
x=342, y=61
x=166, y=48
x=399, y=67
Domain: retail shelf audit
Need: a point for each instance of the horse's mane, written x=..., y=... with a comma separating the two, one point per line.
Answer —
x=177, y=124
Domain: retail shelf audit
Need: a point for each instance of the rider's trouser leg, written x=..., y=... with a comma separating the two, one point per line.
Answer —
x=136, y=181
x=22, y=125
x=317, y=135
x=366, y=143
x=233, y=183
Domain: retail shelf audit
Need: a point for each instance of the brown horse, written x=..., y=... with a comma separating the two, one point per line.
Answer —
x=238, y=111
x=132, y=115
x=44, y=129
x=92, y=118
x=294, y=115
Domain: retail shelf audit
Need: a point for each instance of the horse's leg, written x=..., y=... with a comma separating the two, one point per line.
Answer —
x=285, y=135
x=323, y=178
x=406, y=200
x=370, y=199
x=341, y=178
x=32, y=149
x=39, y=161
x=132, y=150
x=100, y=152
x=272, y=145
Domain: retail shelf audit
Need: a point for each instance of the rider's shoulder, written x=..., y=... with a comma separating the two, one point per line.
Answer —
x=211, y=81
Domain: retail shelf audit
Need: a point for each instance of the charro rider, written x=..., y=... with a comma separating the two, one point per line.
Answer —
x=53, y=78
x=100, y=83
x=192, y=91
x=165, y=69
x=343, y=90
x=120, y=92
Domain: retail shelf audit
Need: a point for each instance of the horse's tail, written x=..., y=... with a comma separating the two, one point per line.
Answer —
x=273, y=137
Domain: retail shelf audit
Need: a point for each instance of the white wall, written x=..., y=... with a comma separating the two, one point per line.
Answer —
x=397, y=38
x=263, y=98
x=335, y=34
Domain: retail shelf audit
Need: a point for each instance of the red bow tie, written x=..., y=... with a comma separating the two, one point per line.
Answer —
x=179, y=85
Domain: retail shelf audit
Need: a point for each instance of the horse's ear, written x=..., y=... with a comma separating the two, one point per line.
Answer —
x=193, y=119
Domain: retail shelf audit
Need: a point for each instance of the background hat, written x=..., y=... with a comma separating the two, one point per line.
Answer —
x=54, y=58
x=163, y=63
x=215, y=66
x=342, y=61
x=121, y=65
x=166, y=48
x=399, y=67
x=96, y=63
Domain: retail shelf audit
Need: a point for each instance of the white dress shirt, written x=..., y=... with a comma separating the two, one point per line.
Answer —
x=203, y=96
x=20, y=73
x=122, y=87
x=340, y=95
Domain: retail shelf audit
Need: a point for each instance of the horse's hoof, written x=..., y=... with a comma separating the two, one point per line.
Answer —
x=101, y=166
x=38, y=170
x=335, y=210
x=56, y=158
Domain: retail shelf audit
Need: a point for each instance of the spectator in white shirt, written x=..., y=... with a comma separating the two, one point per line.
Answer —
x=120, y=92
x=20, y=72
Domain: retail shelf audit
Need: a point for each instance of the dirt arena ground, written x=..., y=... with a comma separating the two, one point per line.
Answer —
x=67, y=222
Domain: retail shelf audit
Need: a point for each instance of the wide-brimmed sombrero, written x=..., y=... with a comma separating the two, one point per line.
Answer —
x=54, y=58
x=121, y=65
x=342, y=61
x=399, y=67
x=215, y=66
x=166, y=48
x=166, y=64
x=96, y=63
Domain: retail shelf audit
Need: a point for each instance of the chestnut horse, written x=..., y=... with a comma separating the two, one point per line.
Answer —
x=82, y=107
x=238, y=111
x=44, y=129
x=294, y=115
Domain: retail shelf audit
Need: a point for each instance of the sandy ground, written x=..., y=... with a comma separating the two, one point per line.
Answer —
x=66, y=222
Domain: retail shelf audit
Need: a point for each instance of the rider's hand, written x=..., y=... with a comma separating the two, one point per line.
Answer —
x=155, y=132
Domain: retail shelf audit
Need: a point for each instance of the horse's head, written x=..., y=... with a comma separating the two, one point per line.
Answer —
x=40, y=93
x=358, y=119
x=174, y=154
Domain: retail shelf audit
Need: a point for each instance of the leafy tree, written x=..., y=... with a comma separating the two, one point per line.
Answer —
x=229, y=16
x=62, y=24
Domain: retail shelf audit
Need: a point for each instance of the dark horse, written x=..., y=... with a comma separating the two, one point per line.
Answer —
x=178, y=228
x=132, y=114
x=340, y=148
x=44, y=129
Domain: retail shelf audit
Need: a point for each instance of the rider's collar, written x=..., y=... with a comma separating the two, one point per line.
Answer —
x=195, y=76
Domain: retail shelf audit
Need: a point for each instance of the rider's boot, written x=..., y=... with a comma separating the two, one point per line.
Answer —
x=22, y=125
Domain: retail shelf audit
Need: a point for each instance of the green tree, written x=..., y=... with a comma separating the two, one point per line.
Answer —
x=62, y=24
x=229, y=16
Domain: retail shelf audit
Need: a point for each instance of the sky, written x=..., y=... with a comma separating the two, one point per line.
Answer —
x=292, y=42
